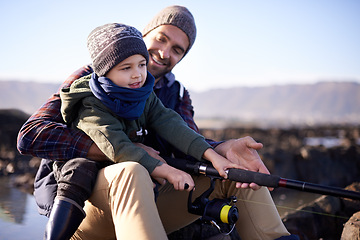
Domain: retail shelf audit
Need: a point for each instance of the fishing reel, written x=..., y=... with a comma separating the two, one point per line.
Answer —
x=215, y=210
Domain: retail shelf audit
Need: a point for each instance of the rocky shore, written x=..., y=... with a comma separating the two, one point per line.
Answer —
x=327, y=155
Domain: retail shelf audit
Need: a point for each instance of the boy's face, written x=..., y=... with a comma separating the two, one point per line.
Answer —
x=130, y=73
x=167, y=45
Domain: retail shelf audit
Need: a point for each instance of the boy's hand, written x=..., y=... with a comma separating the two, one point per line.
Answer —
x=155, y=154
x=179, y=179
x=220, y=163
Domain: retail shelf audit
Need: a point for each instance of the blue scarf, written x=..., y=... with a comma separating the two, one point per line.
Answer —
x=127, y=103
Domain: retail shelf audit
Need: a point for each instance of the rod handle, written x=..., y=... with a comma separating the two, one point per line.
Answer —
x=261, y=179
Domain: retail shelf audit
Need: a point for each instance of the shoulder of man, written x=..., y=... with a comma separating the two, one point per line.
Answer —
x=79, y=85
x=171, y=80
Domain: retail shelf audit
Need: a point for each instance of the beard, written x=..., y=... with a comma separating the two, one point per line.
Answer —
x=157, y=72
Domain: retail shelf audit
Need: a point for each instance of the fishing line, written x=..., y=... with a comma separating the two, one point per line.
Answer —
x=298, y=210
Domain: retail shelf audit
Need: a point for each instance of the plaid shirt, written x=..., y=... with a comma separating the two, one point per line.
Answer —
x=46, y=135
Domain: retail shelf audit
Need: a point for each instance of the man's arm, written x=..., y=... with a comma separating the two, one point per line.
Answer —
x=46, y=135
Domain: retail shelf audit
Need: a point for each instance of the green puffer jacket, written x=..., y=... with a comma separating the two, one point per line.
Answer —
x=114, y=135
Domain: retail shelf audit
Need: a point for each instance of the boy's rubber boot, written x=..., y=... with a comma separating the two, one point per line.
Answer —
x=64, y=219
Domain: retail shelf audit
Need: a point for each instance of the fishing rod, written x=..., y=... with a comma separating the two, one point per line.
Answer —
x=261, y=179
x=217, y=211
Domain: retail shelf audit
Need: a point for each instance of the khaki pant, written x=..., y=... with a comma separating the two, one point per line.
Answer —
x=122, y=206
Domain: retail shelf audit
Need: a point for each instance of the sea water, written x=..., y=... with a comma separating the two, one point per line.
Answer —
x=19, y=218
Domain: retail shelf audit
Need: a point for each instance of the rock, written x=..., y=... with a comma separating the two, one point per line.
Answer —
x=25, y=182
x=323, y=218
x=352, y=228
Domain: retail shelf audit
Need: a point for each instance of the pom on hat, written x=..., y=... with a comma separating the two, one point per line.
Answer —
x=177, y=16
x=112, y=43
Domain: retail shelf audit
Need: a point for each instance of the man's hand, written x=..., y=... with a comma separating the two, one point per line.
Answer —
x=243, y=151
x=96, y=154
x=155, y=154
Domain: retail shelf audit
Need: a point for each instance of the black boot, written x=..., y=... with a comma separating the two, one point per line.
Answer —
x=65, y=218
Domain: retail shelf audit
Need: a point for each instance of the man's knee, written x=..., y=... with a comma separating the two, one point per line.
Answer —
x=82, y=163
x=76, y=178
x=77, y=170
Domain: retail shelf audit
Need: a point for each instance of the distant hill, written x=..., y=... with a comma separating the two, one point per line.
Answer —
x=324, y=102
x=25, y=96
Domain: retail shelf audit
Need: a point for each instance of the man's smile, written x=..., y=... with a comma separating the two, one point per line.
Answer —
x=157, y=61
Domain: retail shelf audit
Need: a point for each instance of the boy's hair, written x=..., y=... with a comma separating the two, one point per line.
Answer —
x=177, y=16
x=112, y=43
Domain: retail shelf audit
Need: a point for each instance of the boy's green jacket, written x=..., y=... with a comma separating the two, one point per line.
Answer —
x=115, y=136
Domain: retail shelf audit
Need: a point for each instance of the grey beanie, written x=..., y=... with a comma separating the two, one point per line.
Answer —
x=177, y=16
x=112, y=43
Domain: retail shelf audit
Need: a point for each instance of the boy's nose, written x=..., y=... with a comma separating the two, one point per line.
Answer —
x=136, y=74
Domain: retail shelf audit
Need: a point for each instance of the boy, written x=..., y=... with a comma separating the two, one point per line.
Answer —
x=115, y=106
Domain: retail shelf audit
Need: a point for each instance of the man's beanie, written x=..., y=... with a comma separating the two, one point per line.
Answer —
x=112, y=43
x=177, y=16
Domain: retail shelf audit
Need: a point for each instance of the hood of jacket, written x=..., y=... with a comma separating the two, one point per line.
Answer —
x=72, y=97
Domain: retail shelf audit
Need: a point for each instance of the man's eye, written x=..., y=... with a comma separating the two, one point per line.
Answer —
x=161, y=39
x=178, y=51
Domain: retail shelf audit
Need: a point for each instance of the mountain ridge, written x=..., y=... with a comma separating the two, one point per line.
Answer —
x=322, y=102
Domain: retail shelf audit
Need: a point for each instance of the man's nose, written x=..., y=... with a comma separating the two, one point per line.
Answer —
x=164, y=53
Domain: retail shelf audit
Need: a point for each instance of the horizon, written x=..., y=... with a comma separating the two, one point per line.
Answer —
x=214, y=88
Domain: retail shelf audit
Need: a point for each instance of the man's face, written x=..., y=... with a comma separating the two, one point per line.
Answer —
x=167, y=45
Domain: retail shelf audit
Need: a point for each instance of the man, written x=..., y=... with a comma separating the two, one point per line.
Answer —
x=126, y=208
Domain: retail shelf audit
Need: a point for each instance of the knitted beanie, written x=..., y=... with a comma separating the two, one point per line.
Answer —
x=112, y=43
x=177, y=16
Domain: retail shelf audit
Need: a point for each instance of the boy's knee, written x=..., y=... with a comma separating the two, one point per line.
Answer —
x=126, y=171
x=135, y=168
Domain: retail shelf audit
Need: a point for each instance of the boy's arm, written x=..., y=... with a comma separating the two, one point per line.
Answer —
x=46, y=135
x=171, y=127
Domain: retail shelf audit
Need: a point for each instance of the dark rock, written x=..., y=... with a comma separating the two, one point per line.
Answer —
x=323, y=218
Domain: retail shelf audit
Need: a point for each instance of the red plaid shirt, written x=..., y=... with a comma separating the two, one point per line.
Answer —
x=46, y=135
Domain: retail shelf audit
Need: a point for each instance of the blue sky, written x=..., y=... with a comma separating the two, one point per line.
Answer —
x=239, y=42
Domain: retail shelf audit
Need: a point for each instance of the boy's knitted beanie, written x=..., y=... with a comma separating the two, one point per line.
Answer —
x=177, y=16
x=112, y=43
